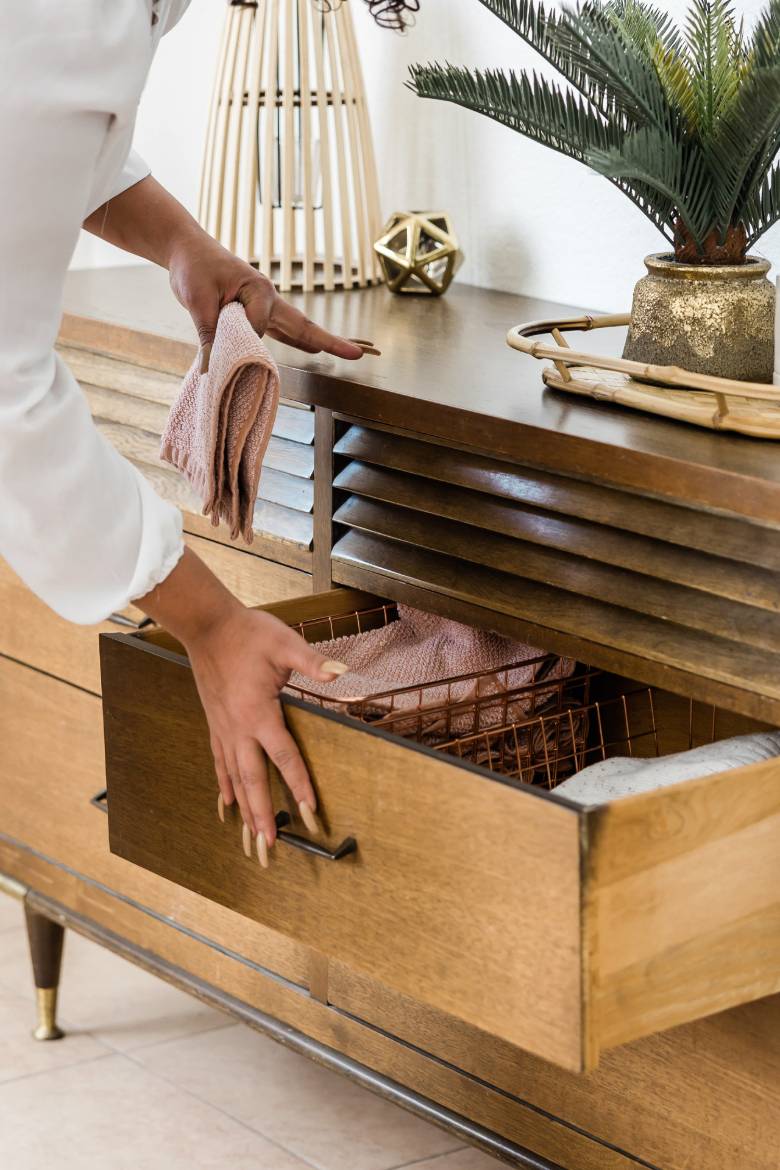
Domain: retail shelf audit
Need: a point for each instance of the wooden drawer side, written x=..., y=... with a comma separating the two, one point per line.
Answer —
x=683, y=902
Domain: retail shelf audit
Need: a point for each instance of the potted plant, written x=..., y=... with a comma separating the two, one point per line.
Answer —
x=685, y=121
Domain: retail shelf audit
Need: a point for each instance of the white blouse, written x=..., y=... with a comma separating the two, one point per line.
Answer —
x=78, y=523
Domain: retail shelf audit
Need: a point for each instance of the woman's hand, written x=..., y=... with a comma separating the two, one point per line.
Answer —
x=241, y=659
x=147, y=220
x=205, y=276
x=241, y=664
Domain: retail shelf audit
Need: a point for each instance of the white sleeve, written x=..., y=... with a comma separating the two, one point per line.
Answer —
x=133, y=171
x=77, y=522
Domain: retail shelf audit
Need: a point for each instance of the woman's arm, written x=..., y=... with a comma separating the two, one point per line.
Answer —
x=147, y=220
x=241, y=658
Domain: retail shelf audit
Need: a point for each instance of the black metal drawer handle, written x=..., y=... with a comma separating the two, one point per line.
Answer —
x=100, y=800
x=119, y=619
x=347, y=846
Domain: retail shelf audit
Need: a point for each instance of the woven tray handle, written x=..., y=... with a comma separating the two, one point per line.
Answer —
x=521, y=339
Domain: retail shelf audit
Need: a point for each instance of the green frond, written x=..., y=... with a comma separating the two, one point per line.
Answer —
x=716, y=61
x=684, y=121
x=762, y=209
x=597, y=44
x=765, y=41
x=676, y=171
x=745, y=144
x=529, y=104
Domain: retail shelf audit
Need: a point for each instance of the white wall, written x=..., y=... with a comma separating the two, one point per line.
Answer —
x=529, y=220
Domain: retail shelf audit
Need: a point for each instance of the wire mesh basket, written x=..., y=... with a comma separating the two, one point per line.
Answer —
x=555, y=743
x=458, y=706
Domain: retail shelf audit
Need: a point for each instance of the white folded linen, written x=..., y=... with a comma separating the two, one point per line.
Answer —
x=626, y=776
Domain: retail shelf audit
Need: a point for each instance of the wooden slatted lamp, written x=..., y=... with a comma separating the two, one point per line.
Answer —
x=289, y=177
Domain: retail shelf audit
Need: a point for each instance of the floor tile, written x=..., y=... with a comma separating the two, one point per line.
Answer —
x=467, y=1159
x=317, y=1114
x=11, y=914
x=21, y=1056
x=112, y=1115
x=108, y=996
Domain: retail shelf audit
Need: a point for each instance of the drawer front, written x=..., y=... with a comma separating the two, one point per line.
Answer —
x=561, y=930
x=443, y=899
x=32, y=633
x=51, y=767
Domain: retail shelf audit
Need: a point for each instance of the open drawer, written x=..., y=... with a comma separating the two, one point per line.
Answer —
x=560, y=929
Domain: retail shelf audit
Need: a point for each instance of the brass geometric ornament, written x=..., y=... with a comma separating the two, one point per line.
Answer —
x=418, y=252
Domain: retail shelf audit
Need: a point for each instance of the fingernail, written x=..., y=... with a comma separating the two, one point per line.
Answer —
x=247, y=840
x=336, y=668
x=370, y=350
x=221, y=807
x=262, y=850
x=359, y=341
x=308, y=817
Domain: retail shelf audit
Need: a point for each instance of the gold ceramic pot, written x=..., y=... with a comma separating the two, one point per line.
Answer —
x=710, y=319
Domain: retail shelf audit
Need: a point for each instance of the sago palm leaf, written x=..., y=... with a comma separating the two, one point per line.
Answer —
x=762, y=209
x=744, y=145
x=715, y=60
x=529, y=104
x=542, y=112
x=677, y=172
x=765, y=41
x=597, y=44
x=685, y=122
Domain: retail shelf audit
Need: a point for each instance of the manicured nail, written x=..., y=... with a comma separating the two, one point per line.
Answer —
x=308, y=817
x=336, y=668
x=221, y=807
x=262, y=850
x=247, y=840
x=360, y=341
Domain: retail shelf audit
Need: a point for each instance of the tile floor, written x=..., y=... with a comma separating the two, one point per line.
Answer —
x=149, y=1079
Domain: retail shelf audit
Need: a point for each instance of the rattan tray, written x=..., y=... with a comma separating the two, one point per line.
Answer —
x=749, y=408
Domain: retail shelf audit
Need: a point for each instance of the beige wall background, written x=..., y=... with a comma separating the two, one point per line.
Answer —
x=529, y=221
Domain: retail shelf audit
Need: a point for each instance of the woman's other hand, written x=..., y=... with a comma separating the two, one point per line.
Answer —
x=241, y=659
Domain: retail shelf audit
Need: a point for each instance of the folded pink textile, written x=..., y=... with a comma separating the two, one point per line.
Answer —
x=220, y=424
x=395, y=669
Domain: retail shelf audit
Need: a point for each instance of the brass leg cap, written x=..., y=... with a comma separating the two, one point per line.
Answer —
x=47, y=1015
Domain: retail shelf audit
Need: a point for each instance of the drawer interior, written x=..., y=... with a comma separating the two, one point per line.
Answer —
x=540, y=732
x=564, y=929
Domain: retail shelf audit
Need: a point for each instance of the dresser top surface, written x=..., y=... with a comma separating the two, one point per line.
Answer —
x=447, y=372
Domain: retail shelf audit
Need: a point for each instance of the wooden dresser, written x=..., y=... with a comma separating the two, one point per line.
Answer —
x=594, y=988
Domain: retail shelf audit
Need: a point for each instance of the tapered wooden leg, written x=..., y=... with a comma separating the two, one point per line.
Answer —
x=45, y=938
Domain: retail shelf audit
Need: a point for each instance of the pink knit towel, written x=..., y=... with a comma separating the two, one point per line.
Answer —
x=220, y=424
x=394, y=669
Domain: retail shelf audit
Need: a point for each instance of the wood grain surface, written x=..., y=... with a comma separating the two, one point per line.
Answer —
x=683, y=901
x=446, y=372
x=423, y=824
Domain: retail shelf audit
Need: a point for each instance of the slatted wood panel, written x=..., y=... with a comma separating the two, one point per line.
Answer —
x=130, y=406
x=663, y=593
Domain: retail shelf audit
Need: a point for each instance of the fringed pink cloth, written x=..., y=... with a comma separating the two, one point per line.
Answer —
x=394, y=670
x=220, y=424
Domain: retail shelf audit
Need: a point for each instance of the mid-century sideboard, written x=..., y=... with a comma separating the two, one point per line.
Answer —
x=594, y=989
